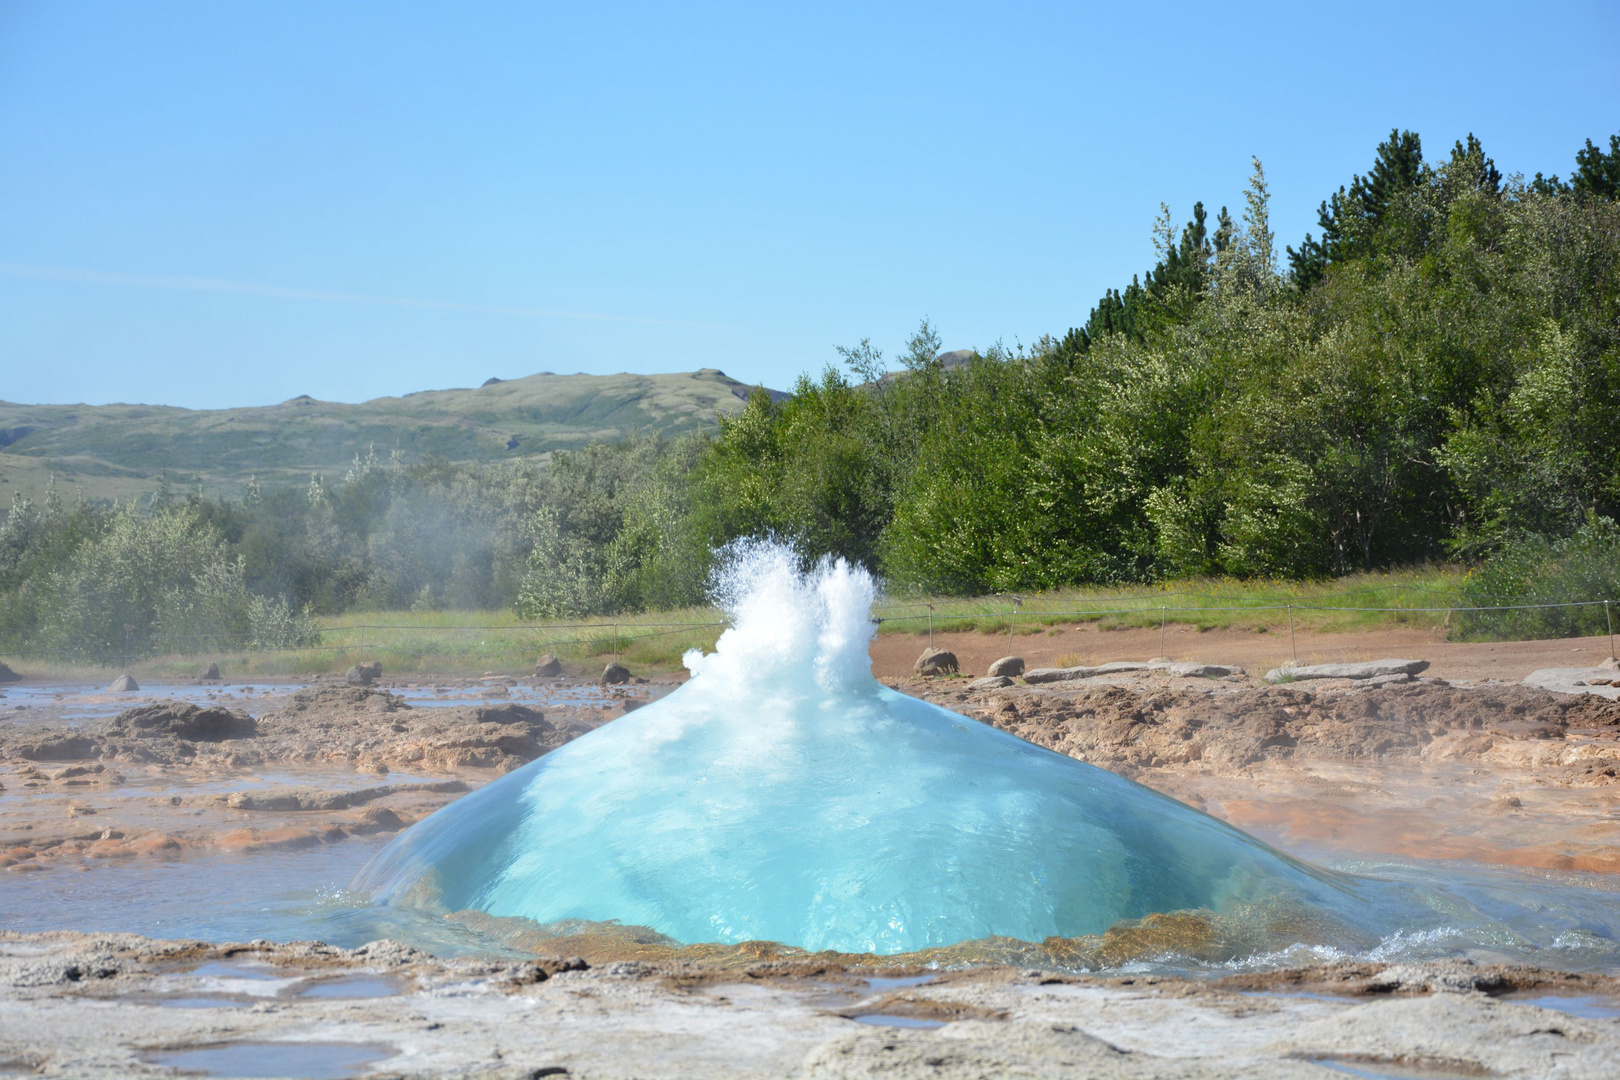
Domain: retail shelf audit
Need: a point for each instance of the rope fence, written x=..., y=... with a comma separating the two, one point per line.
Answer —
x=1163, y=610
x=616, y=635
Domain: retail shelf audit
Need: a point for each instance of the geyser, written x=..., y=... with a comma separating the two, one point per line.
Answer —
x=783, y=794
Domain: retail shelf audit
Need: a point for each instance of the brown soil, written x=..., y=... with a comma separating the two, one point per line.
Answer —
x=1514, y=775
x=1085, y=643
x=169, y=777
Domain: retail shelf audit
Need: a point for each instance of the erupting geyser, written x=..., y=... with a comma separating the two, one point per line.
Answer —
x=783, y=794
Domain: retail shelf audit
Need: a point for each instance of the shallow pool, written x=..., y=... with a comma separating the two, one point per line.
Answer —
x=1490, y=914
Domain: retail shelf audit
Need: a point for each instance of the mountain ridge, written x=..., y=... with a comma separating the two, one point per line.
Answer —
x=122, y=449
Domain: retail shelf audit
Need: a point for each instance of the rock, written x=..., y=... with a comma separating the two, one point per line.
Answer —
x=210, y=672
x=184, y=720
x=1194, y=670
x=1598, y=680
x=990, y=682
x=533, y=719
x=1371, y=669
x=1050, y=675
x=124, y=684
x=547, y=666
x=56, y=746
x=614, y=674
x=364, y=673
x=1010, y=666
x=1389, y=680
x=1612, y=663
x=1185, y=670
x=7, y=675
x=936, y=662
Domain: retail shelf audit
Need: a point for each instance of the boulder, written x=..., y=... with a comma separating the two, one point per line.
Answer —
x=7, y=675
x=124, y=684
x=1370, y=669
x=990, y=682
x=364, y=673
x=183, y=720
x=1612, y=663
x=210, y=672
x=615, y=674
x=936, y=662
x=547, y=666
x=1010, y=666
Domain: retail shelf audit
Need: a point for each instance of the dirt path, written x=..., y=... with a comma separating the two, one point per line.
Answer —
x=1505, y=661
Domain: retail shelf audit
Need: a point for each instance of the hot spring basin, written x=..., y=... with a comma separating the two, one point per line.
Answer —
x=784, y=795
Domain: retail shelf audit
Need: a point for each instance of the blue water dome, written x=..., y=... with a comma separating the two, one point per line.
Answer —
x=782, y=794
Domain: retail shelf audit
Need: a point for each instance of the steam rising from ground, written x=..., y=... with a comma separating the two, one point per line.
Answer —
x=783, y=794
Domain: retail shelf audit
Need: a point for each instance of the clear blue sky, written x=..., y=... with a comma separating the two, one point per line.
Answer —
x=213, y=204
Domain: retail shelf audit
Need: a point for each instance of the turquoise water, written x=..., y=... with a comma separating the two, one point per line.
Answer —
x=784, y=795
x=1490, y=914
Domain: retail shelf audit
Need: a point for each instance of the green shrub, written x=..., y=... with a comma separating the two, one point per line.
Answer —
x=1533, y=569
x=157, y=583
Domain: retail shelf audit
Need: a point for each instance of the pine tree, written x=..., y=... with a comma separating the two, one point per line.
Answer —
x=1398, y=169
x=1597, y=175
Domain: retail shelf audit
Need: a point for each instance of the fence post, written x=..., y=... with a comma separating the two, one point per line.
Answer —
x=1609, y=617
x=930, y=626
x=1161, y=629
x=1293, y=644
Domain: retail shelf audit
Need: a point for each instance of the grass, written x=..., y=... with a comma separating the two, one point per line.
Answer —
x=474, y=642
x=439, y=643
x=1359, y=602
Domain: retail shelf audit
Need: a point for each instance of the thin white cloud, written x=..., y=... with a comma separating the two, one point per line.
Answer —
x=282, y=292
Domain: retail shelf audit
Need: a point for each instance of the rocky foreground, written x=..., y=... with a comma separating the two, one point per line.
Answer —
x=330, y=762
x=1516, y=775
x=1508, y=774
x=120, y=1006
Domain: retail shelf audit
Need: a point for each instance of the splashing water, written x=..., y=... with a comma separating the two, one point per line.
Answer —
x=784, y=795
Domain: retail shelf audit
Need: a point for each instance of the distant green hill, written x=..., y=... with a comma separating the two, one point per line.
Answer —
x=114, y=451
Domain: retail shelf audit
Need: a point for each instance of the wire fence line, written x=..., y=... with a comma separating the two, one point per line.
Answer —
x=1046, y=614
x=614, y=636
x=1093, y=612
x=1391, y=587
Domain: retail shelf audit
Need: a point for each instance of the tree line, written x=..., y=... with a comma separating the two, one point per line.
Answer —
x=1435, y=374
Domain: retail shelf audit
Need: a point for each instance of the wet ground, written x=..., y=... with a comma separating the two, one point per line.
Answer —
x=1502, y=799
x=118, y=1006
x=56, y=702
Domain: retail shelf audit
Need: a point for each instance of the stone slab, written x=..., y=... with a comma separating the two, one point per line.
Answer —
x=1370, y=669
x=1167, y=667
x=1598, y=680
